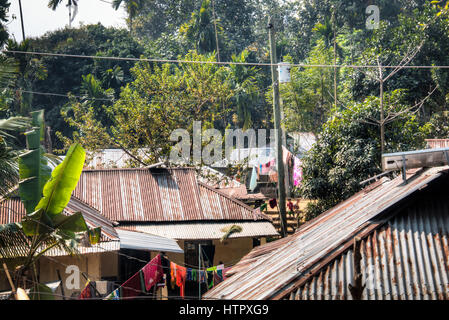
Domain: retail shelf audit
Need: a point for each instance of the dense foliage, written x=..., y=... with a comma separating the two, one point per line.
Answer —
x=124, y=104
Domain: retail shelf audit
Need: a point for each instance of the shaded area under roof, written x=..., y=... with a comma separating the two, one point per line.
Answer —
x=145, y=241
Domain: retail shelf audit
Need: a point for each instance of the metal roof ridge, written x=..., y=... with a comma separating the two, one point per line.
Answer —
x=253, y=210
x=137, y=169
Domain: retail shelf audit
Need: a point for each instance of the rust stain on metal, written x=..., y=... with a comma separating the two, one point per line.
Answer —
x=388, y=247
x=158, y=195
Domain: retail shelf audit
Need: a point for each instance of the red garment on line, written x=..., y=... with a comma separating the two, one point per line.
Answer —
x=132, y=288
x=152, y=272
x=86, y=293
x=181, y=278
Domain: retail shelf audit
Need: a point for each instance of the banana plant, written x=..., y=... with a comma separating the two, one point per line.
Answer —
x=44, y=196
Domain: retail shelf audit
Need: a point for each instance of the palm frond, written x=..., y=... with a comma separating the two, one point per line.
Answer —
x=230, y=230
x=9, y=171
x=13, y=241
x=9, y=69
x=15, y=123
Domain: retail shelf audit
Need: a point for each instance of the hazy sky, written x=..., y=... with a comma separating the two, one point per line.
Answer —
x=38, y=18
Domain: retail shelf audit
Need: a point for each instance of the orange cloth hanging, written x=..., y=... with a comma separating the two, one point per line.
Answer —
x=181, y=278
x=173, y=274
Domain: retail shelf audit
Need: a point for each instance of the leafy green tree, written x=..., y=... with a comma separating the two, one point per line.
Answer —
x=200, y=29
x=308, y=99
x=9, y=173
x=40, y=74
x=159, y=100
x=4, y=8
x=247, y=95
x=132, y=8
x=348, y=151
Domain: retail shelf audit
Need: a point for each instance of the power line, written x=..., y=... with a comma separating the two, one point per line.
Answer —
x=172, y=99
x=59, y=95
x=223, y=62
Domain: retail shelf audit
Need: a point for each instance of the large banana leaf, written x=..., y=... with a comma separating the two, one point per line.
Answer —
x=33, y=169
x=37, y=223
x=73, y=223
x=64, y=178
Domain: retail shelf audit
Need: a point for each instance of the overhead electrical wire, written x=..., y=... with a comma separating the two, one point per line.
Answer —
x=223, y=62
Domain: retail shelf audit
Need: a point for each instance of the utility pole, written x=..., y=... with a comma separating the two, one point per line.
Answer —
x=277, y=128
x=21, y=20
x=199, y=271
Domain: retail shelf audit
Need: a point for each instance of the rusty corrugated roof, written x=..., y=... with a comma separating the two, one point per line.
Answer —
x=437, y=143
x=275, y=270
x=12, y=210
x=158, y=195
x=406, y=259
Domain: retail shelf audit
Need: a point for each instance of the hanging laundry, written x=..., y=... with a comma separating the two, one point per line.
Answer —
x=253, y=181
x=202, y=277
x=142, y=281
x=273, y=176
x=172, y=274
x=132, y=287
x=181, y=278
x=297, y=172
x=152, y=272
x=272, y=203
x=287, y=160
x=210, y=279
x=217, y=277
x=194, y=275
x=114, y=295
x=87, y=292
x=266, y=167
x=219, y=274
x=225, y=270
x=189, y=274
x=210, y=276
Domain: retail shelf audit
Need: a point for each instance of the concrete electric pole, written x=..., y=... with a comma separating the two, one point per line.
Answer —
x=278, y=129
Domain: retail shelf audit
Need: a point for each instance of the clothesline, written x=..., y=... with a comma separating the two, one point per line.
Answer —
x=152, y=274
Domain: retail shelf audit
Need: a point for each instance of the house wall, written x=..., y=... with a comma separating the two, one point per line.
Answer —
x=229, y=251
x=232, y=250
x=95, y=265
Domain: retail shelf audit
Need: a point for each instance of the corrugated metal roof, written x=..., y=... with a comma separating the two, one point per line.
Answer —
x=145, y=241
x=437, y=143
x=12, y=210
x=158, y=195
x=280, y=269
x=206, y=230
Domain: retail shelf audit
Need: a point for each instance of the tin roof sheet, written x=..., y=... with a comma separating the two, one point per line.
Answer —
x=158, y=195
x=406, y=259
x=206, y=230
